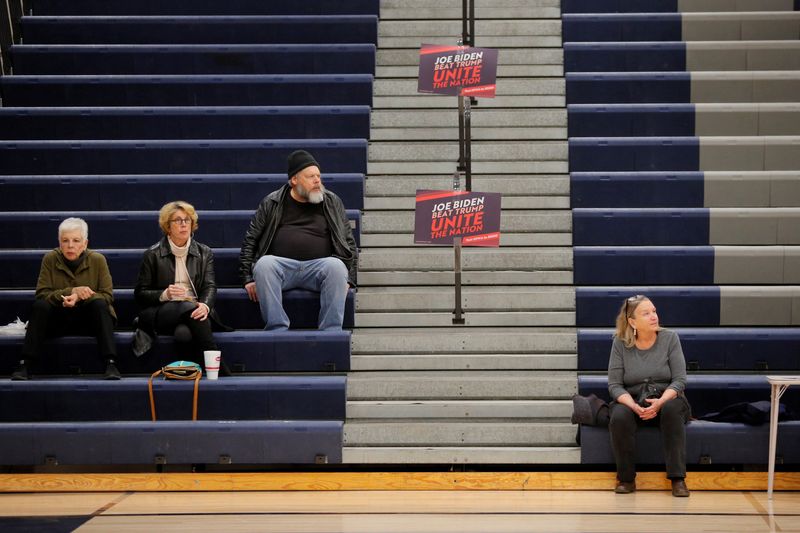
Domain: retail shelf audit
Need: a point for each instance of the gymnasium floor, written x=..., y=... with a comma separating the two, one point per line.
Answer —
x=400, y=511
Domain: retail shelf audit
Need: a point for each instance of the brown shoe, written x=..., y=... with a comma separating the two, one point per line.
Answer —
x=679, y=488
x=624, y=487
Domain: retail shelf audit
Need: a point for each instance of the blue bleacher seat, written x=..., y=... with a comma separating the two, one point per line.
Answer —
x=677, y=306
x=187, y=90
x=179, y=157
x=628, y=87
x=717, y=349
x=656, y=265
x=131, y=229
x=230, y=398
x=591, y=154
x=118, y=192
x=117, y=123
x=596, y=27
x=640, y=227
x=625, y=57
x=203, y=7
x=194, y=59
x=631, y=120
x=637, y=189
x=235, y=309
x=171, y=442
x=618, y=6
x=244, y=351
x=220, y=29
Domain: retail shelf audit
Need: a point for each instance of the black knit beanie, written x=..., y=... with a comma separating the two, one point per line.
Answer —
x=300, y=159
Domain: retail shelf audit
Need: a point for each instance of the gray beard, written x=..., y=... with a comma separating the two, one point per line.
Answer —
x=313, y=197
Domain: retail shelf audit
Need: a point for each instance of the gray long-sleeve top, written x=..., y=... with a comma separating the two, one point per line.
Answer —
x=663, y=362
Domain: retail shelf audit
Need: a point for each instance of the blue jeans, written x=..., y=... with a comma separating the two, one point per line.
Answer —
x=327, y=275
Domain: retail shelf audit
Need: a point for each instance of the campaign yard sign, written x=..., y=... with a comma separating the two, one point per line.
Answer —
x=440, y=216
x=457, y=70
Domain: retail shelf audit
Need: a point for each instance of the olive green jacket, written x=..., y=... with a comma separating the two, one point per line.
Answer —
x=56, y=280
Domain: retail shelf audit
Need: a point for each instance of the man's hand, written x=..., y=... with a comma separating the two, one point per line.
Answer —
x=251, y=291
x=82, y=293
x=70, y=301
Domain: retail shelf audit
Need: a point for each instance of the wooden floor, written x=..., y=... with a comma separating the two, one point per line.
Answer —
x=400, y=511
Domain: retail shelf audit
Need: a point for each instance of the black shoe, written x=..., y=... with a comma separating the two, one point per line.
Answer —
x=111, y=371
x=21, y=373
x=624, y=487
x=679, y=488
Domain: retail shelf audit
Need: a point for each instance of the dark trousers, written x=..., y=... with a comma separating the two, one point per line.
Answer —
x=170, y=314
x=671, y=421
x=87, y=318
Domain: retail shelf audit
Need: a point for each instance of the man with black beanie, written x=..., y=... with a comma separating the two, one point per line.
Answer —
x=299, y=238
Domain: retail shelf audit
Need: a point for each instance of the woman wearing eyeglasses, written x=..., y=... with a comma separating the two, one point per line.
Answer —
x=176, y=289
x=646, y=380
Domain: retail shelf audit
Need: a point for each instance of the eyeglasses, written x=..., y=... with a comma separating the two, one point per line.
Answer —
x=633, y=299
x=181, y=221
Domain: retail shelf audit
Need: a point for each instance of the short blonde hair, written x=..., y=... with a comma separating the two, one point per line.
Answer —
x=170, y=208
x=624, y=331
x=74, y=224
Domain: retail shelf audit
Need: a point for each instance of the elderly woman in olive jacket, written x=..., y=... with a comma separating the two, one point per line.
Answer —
x=176, y=289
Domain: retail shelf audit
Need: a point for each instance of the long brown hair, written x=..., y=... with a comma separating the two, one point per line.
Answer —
x=625, y=331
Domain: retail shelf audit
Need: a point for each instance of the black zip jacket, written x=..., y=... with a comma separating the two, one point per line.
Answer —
x=265, y=223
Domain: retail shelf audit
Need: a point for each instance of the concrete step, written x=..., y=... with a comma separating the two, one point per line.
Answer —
x=527, y=87
x=532, y=57
x=455, y=340
x=513, y=202
x=500, y=409
x=490, y=33
x=752, y=189
x=544, y=220
x=497, y=298
x=451, y=9
x=398, y=240
x=479, y=259
x=422, y=278
x=506, y=71
x=537, y=185
x=410, y=319
x=452, y=433
x=462, y=455
x=486, y=361
x=543, y=133
x=465, y=385
x=503, y=100
x=721, y=6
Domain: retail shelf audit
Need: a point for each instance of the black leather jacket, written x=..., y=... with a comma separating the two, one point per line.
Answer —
x=157, y=271
x=265, y=222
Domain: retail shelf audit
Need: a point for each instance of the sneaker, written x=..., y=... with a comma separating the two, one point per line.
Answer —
x=679, y=488
x=624, y=487
x=111, y=371
x=21, y=373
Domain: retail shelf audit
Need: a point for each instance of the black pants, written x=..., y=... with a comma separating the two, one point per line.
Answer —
x=170, y=314
x=671, y=421
x=87, y=318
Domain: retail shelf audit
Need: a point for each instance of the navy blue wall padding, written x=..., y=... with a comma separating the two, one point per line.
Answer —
x=634, y=153
x=643, y=265
x=130, y=229
x=640, y=227
x=618, y=6
x=235, y=309
x=678, y=306
x=719, y=442
x=176, y=156
x=710, y=349
x=203, y=7
x=117, y=123
x=244, y=351
x=230, y=398
x=621, y=120
x=637, y=189
x=119, y=192
x=628, y=87
x=629, y=27
x=180, y=442
x=624, y=57
x=223, y=29
x=187, y=90
x=194, y=59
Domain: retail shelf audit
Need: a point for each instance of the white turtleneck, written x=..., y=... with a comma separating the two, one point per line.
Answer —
x=181, y=272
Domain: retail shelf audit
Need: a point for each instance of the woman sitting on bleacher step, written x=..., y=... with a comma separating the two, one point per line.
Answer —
x=176, y=288
x=646, y=380
x=74, y=296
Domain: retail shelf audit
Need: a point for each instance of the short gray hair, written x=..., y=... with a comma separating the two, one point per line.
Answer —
x=74, y=224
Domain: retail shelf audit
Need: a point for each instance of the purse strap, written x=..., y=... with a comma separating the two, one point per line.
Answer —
x=167, y=374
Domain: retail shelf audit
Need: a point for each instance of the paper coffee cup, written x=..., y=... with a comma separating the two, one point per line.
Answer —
x=212, y=359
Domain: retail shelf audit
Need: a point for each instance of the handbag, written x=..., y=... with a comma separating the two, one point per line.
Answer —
x=649, y=390
x=184, y=370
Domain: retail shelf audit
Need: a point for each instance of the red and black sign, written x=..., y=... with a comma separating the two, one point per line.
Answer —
x=440, y=216
x=457, y=70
